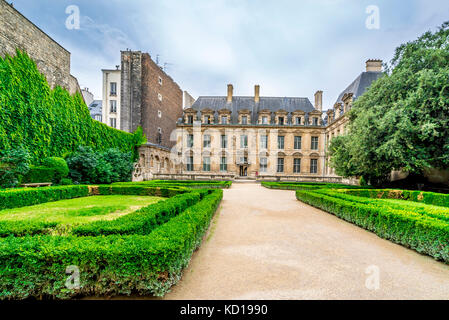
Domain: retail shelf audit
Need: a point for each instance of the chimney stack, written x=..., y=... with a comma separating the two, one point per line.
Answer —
x=374, y=65
x=230, y=93
x=319, y=100
x=256, y=93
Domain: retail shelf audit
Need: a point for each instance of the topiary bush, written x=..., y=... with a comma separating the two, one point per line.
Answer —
x=59, y=165
x=39, y=174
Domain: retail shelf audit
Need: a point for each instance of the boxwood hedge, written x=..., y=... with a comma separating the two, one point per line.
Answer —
x=306, y=185
x=108, y=265
x=425, y=233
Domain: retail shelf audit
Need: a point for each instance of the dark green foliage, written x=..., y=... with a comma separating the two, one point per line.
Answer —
x=39, y=174
x=59, y=165
x=109, y=265
x=49, y=122
x=425, y=230
x=402, y=121
x=181, y=183
x=14, y=163
x=16, y=198
x=66, y=182
x=307, y=185
x=88, y=166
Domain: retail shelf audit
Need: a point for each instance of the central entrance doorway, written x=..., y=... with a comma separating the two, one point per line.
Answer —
x=243, y=171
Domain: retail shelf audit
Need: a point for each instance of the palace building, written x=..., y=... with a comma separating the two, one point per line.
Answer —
x=256, y=137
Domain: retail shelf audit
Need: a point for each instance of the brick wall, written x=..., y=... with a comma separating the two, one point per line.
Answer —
x=17, y=32
x=170, y=106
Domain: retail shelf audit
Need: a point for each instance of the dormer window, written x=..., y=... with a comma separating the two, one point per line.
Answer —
x=224, y=120
x=190, y=119
x=244, y=120
x=315, y=121
x=281, y=121
x=298, y=121
x=207, y=119
x=264, y=120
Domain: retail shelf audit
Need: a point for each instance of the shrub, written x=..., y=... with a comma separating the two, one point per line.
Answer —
x=66, y=182
x=59, y=165
x=16, y=198
x=111, y=265
x=39, y=174
x=87, y=166
x=306, y=185
x=13, y=164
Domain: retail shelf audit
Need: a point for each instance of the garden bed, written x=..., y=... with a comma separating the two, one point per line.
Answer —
x=142, y=252
x=414, y=219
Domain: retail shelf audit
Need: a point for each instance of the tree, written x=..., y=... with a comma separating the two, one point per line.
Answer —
x=402, y=120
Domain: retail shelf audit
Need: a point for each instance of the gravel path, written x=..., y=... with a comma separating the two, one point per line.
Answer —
x=264, y=244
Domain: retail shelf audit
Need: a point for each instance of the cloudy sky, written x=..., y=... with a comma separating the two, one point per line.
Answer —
x=289, y=47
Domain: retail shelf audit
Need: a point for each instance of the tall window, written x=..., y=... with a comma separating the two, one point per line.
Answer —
x=223, y=164
x=313, y=165
x=297, y=165
x=314, y=145
x=298, y=143
x=113, y=88
x=264, y=120
x=244, y=120
x=243, y=141
x=224, y=120
x=281, y=121
x=206, y=164
x=298, y=121
x=263, y=164
x=189, y=166
x=281, y=142
x=113, y=122
x=113, y=106
x=315, y=121
x=189, y=119
x=264, y=142
x=207, y=119
x=206, y=141
x=224, y=141
x=190, y=141
x=280, y=165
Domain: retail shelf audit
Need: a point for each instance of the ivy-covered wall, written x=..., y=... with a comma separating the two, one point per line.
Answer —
x=48, y=122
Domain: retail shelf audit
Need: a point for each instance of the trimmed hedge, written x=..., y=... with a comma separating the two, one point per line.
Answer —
x=109, y=265
x=175, y=183
x=142, y=221
x=307, y=185
x=141, y=190
x=416, y=230
x=432, y=198
x=39, y=174
x=16, y=198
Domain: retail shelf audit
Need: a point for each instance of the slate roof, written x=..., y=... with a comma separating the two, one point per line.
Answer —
x=95, y=108
x=273, y=104
x=360, y=84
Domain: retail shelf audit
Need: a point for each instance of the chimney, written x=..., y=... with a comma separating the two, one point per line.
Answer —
x=374, y=65
x=230, y=93
x=256, y=93
x=319, y=100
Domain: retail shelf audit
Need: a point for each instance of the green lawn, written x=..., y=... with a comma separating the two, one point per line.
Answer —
x=80, y=210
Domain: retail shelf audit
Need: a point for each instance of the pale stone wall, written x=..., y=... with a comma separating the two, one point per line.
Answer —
x=17, y=32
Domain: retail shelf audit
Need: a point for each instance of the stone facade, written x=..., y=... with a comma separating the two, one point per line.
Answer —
x=149, y=98
x=17, y=32
x=155, y=160
x=111, y=111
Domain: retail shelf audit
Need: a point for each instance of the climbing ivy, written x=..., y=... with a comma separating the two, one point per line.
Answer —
x=49, y=122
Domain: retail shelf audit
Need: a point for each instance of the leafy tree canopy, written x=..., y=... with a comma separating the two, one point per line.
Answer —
x=402, y=120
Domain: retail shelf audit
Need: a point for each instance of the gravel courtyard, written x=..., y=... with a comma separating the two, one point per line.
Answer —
x=264, y=244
